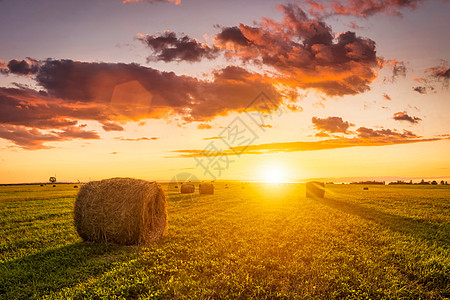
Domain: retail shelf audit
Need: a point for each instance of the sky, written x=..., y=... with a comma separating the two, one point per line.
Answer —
x=224, y=90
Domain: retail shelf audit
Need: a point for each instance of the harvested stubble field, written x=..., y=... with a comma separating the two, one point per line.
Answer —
x=260, y=241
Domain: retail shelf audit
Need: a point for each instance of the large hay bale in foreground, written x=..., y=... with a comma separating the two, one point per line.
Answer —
x=121, y=210
x=187, y=188
x=315, y=189
x=206, y=188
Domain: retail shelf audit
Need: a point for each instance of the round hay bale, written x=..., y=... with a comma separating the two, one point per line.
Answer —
x=206, y=188
x=315, y=189
x=125, y=211
x=366, y=188
x=187, y=188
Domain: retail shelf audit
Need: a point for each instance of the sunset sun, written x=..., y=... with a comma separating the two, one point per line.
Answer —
x=274, y=173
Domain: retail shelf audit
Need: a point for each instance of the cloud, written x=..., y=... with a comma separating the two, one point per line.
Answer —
x=204, y=126
x=214, y=138
x=35, y=109
x=168, y=47
x=3, y=67
x=331, y=124
x=403, y=116
x=113, y=93
x=109, y=126
x=304, y=52
x=22, y=67
x=365, y=137
x=74, y=132
x=398, y=69
x=322, y=134
x=232, y=38
x=176, y=2
x=420, y=89
x=355, y=26
x=440, y=73
x=335, y=143
x=137, y=139
x=361, y=8
x=34, y=139
x=387, y=97
x=384, y=134
x=135, y=92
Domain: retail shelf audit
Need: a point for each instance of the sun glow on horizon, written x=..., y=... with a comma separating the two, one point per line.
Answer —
x=273, y=174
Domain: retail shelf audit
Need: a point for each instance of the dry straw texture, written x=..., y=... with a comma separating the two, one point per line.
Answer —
x=125, y=211
x=206, y=188
x=187, y=188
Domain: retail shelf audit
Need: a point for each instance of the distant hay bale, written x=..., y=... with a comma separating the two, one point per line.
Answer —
x=125, y=211
x=54, y=185
x=187, y=188
x=176, y=186
x=75, y=186
x=315, y=189
x=206, y=188
x=365, y=188
x=41, y=185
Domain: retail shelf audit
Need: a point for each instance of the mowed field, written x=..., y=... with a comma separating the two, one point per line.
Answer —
x=247, y=241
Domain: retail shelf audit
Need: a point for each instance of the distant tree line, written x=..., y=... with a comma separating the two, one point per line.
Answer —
x=422, y=182
x=369, y=182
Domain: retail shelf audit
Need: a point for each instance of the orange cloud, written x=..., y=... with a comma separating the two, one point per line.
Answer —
x=136, y=139
x=361, y=8
x=304, y=146
x=168, y=47
x=204, y=126
x=34, y=139
x=403, y=116
x=331, y=124
x=304, y=52
x=214, y=138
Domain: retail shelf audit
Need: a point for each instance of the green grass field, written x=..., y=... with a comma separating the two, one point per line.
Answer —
x=247, y=241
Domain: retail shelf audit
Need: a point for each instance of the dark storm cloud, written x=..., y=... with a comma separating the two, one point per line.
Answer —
x=403, y=116
x=331, y=124
x=168, y=47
